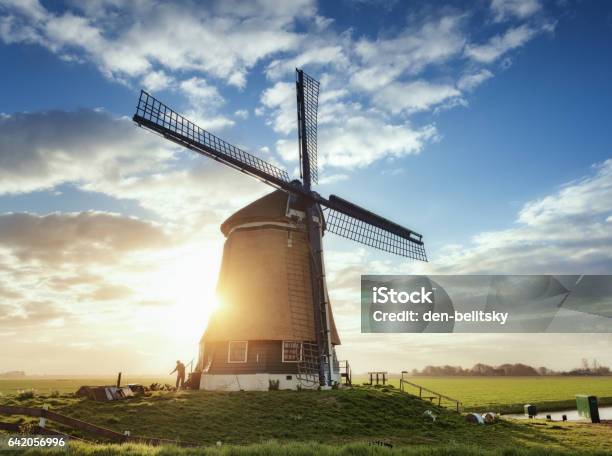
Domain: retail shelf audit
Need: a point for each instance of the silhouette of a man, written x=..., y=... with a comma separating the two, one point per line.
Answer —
x=180, y=374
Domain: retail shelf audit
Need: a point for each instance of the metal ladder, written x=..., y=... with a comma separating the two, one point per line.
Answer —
x=346, y=373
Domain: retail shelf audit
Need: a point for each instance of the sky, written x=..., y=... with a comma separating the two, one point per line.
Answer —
x=483, y=125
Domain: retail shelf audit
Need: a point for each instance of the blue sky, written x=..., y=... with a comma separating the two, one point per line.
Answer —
x=483, y=125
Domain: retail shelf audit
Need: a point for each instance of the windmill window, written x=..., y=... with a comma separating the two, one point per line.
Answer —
x=237, y=352
x=292, y=351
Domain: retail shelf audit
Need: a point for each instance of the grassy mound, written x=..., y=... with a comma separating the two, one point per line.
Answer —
x=341, y=417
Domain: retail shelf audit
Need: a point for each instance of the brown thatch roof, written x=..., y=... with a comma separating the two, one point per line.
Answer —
x=271, y=208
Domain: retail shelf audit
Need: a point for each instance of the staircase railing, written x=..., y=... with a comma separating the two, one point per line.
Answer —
x=435, y=395
x=44, y=415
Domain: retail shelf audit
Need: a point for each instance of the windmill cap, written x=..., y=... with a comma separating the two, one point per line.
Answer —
x=269, y=208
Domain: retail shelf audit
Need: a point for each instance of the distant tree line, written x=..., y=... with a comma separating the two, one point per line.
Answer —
x=517, y=369
x=12, y=374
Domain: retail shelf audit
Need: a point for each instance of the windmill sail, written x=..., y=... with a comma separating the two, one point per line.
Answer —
x=307, y=90
x=354, y=222
x=156, y=116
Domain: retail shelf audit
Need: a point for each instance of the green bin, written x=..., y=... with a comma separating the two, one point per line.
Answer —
x=587, y=407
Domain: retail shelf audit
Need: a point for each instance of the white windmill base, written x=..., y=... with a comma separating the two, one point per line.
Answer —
x=254, y=382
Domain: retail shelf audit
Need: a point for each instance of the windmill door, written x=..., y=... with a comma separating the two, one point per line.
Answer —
x=261, y=360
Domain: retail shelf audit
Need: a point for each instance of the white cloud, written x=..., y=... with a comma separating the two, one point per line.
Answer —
x=504, y=9
x=242, y=114
x=41, y=150
x=280, y=99
x=272, y=9
x=588, y=196
x=384, y=60
x=497, y=46
x=315, y=56
x=209, y=121
x=157, y=80
x=333, y=178
x=204, y=101
x=31, y=315
x=225, y=42
x=334, y=106
x=30, y=8
x=414, y=96
x=202, y=194
x=357, y=141
x=188, y=48
x=199, y=91
x=93, y=237
x=11, y=33
x=470, y=81
x=102, y=154
x=69, y=30
x=382, y=88
x=505, y=63
x=566, y=232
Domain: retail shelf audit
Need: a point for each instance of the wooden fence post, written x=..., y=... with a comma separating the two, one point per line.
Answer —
x=42, y=421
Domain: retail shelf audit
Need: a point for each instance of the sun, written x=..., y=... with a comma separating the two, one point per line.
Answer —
x=185, y=284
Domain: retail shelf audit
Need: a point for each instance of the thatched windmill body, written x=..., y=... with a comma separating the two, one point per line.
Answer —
x=275, y=322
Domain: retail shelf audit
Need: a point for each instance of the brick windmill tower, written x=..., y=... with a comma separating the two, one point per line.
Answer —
x=275, y=324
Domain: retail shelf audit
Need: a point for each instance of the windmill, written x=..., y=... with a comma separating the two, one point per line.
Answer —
x=319, y=214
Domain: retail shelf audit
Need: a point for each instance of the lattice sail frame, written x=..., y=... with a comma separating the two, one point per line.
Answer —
x=311, y=106
x=361, y=226
x=155, y=113
x=358, y=230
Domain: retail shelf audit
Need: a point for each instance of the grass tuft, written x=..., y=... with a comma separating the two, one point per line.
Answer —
x=25, y=394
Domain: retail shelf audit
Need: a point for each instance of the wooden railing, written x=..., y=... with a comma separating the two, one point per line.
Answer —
x=433, y=395
x=44, y=414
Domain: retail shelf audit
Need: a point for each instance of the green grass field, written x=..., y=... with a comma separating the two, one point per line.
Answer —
x=509, y=394
x=328, y=422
